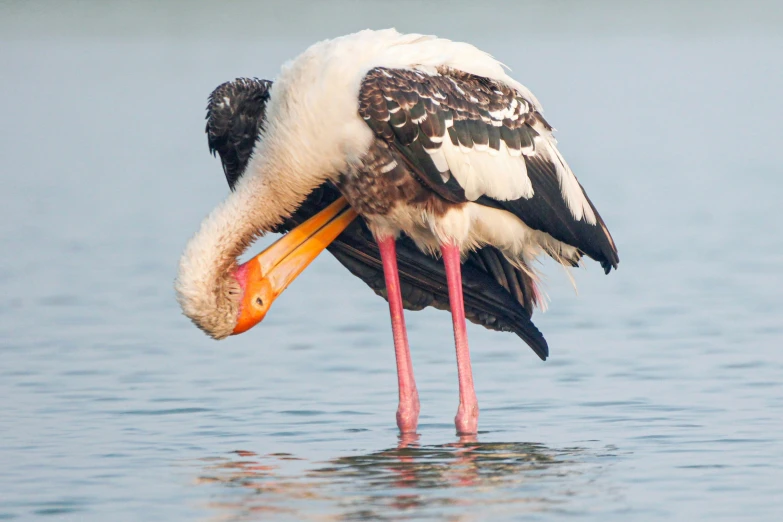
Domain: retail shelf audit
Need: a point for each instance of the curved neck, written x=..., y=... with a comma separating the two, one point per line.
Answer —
x=247, y=213
x=205, y=286
x=264, y=197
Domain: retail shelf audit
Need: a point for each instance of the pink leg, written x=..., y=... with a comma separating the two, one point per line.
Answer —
x=408, y=409
x=468, y=411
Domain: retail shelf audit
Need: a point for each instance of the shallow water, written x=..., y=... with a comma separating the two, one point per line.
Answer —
x=664, y=393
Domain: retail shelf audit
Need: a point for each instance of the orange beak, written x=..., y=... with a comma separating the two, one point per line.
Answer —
x=264, y=277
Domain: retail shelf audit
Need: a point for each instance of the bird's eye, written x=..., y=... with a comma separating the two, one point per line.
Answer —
x=259, y=301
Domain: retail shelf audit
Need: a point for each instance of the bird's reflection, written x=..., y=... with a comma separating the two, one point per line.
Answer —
x=395, y=483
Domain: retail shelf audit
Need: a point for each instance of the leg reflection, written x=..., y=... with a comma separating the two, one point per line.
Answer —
x=465, y=469
x=391, y=483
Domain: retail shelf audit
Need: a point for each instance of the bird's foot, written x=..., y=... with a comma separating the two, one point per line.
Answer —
x=466, y=420
x=408, y=415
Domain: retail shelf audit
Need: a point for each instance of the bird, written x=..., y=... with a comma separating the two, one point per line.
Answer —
x=420, y=164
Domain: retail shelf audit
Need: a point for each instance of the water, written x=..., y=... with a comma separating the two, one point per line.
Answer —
x=663, y=396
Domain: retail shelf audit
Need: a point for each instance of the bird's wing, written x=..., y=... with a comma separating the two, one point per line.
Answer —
x=471, y=138
x=234, y=112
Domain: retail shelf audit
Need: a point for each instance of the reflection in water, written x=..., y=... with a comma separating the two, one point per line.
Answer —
x=453, y=480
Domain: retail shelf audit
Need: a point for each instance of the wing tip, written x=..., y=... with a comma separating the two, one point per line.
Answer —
x=608, y=266
x=530, y=333
x=608, y=263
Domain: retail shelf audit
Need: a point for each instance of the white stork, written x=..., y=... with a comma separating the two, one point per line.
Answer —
x=429, y=141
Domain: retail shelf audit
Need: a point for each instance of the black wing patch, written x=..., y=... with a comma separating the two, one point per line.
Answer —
x=416, y=112
x=234, y=113
x=547, y=211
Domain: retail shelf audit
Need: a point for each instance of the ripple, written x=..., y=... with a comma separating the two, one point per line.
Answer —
x=173, y=411
x=409, y=478
x=302, y=413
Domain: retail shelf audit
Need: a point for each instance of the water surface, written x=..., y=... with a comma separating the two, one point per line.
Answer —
x=664, y=393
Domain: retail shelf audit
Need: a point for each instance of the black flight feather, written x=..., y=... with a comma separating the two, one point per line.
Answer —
x=234, y=113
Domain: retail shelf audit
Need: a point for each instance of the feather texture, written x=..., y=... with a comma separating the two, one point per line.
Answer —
x=480, y=139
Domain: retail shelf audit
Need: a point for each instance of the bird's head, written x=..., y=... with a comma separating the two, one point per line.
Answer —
x=255, y=297
x=219, y=301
